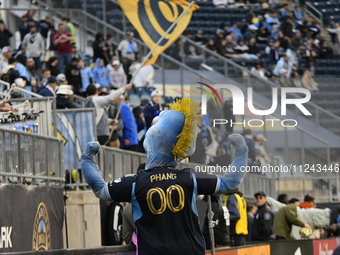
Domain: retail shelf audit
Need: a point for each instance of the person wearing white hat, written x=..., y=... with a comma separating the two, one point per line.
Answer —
x=117, y=76
x=6, y=54
x=61, y=78
x=153, y=109
x=63, y=97
x=261, y=154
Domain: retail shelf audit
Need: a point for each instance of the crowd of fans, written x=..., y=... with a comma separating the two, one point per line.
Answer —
x=292, y=44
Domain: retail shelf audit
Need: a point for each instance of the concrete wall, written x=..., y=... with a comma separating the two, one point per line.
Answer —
x=83, y=220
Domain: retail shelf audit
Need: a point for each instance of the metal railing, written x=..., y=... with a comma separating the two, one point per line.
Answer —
x=314, y=13
x=45, y=114
x=27, y=158
x=76, y=127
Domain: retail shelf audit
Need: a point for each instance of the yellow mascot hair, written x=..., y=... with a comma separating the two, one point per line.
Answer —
x=193, y=120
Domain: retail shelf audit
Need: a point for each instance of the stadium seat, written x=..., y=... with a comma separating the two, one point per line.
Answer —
x=168, y=100
x=150, y=89
x=134, y=100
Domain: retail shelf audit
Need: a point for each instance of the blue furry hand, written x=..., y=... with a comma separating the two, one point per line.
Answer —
x=237, y=140
x=92, y=148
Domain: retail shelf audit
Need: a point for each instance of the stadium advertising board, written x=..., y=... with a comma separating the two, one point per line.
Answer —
x=292, y=247
x=31, y=218
x=256, y=250
x=324, y=246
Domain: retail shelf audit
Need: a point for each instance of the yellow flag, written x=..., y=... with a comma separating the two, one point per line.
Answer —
x=151, y=18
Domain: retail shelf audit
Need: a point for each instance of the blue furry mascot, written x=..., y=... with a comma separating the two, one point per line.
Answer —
x=163, y=198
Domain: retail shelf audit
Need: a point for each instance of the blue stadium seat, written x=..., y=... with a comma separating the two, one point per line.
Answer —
x=150, y=89
x=168, y=100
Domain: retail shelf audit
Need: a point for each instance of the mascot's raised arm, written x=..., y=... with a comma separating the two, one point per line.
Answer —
x=163, y=198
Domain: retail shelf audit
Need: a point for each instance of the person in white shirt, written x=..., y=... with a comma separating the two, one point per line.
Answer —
x=117, y=76
x=145, y=76
x=261, y=154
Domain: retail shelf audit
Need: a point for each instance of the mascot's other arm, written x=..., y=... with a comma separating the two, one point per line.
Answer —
x=232, y=179
x=118, y=190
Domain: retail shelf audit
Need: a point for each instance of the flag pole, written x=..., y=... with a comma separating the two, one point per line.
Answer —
x=147, y=58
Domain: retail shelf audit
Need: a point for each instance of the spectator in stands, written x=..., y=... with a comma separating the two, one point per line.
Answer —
x=30, y=14
x=100, y=103
x=262, y=34
x=98, y=47
x=117, y=76
x=63, y=97
x=145, y=76
x=110, y=51
x=35, y=45
x=45, y=26
x=308, y=82
x=309, y=56
x=283, y=198
x=75, y=53
x=211, y=46
x=297, y=40
x=145, y=102
x=4, y=57
x=199, y=39
x=129, y=140
x=284, y=43
x=219, y=36
x=22, y=27
x=62, y=40
x=100, y=74
x=261, y=154
x=48, y=89
x=114, y=234
x=116, y=126
x=314, y=29
x=308, y=202
x=297, y=12
x=283, y=67
x=236, y=32
x=30, y=23
x=248, y=137
x=220, y=3
x=86, y=76
x=153, y=109
x=263, y=224
x=251, y=211
x=325, y=51
x=285, y=10
x=52, y=65
x=253, y=49
x=228, y=114
x=273, y=20
x=73, y=76
x=21, y=56
x=5, y=35
x=287, y=28
x=262, y=22
x=285, y=218
x=241, y=51
x=128, y=52
x=32, y=71
x=264, y=9
x=10, y=74
x=53, y=48
x=250, y=16
x=5, y=107
x=332, y=25
x=70, y=28
x=237, y=208
x=220, y=217
x=141, y=128
x=228, y=46
x=189, y=48
x=250, y=32
x=259, y=70
x=46, y=73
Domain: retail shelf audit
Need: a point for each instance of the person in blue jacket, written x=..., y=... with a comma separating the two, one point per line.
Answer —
x=48, y=90
x=100, y=73
x=153, y=109
x=86, y=75
x=129, y=140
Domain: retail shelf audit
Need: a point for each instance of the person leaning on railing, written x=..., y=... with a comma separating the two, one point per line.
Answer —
x=5, y=107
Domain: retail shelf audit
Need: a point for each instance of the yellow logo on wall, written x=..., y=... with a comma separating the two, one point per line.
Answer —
x=41, y=229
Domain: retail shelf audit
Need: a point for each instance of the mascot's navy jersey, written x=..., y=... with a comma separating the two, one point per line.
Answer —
x=164, y=208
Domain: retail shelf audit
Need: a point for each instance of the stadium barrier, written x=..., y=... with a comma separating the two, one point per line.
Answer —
x=35, y=115
x=286, y=247
x=31, y=218
x=76, y=127
x=28, y=158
